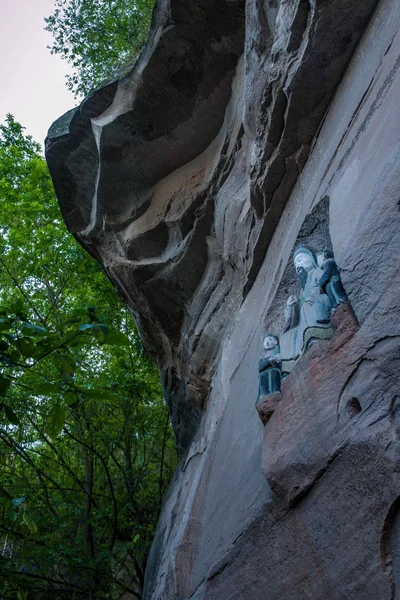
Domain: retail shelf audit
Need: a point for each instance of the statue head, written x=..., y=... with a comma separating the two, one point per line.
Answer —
x=323, y=256
x=270, y=341
x=304, y=258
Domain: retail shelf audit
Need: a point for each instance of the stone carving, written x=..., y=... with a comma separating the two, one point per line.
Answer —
x=308, y=317
x=269, y=367
x=330, y=281
x=220, y=209
x=270, y=375
x=144, y=189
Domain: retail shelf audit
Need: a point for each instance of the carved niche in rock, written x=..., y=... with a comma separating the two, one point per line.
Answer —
x=307, y=319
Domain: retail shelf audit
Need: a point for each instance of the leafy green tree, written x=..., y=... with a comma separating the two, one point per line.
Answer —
x=86, y=449
x=98, y=38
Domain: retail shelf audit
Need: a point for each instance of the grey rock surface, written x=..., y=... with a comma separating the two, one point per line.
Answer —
x=175, y=177
x=307, y=507
x=328, y=528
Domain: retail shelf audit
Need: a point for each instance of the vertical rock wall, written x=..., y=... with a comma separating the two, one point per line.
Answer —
x=324, y=522
x=191, y=181
x=175, y=176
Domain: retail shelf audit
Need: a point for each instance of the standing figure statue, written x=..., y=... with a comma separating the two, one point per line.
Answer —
x=308, y=317
x=269, y=374
x=269, y=367
x=330, y=283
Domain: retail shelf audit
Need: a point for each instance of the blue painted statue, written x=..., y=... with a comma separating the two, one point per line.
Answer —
x=308, y=317
x=330, y=283
x=269, y=367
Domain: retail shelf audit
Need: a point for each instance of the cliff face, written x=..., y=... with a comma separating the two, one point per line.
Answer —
x=188, y=181
x=175, y=177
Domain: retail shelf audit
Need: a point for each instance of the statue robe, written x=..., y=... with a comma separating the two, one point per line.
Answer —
x=269, y=375
x=313, y=320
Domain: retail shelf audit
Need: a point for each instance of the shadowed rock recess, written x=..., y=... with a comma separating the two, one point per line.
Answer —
x=175, y=176
x=244, y=130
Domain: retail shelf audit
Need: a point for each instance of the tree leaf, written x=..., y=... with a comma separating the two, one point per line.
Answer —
x=10, y=414
x=66, y=363
x=86, y=326
x=76, y=316
x=48, y=342
x=117, y=338
x=31, y=329
x=97, y=394
x=6, y=360
x=27, y=347
x=29, y=522
x=5, y=324
x=56, y=420
x=43, y=389
x=3, y=345
x=18, y=501
x=15, y=355
x=100, y=332
x=73, y=319
x=4, y=385
x=70, y=399
x=12, y=515
x=4, y=493
x=66, y=376
x=78, y=342
x=19, y=308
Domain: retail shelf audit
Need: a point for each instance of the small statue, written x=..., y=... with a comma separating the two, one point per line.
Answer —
x=269, y=367
x=330, y=282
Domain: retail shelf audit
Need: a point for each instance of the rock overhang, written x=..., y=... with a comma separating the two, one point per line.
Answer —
x=174, y=177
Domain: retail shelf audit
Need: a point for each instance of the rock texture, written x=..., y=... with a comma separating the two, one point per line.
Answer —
x=198, y=240
x=175, y=177
x=331, y=457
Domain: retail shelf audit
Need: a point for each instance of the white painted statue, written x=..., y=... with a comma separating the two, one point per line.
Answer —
x=307, y=317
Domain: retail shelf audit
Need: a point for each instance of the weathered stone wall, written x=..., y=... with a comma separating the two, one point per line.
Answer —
x=175, y=176
x=329, y=526
x=183, y=181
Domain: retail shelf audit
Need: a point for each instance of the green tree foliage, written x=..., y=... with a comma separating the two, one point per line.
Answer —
x=98, y=38
x=86, y=450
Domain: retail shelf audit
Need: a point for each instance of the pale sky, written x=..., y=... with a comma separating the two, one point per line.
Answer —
x=32, y=80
